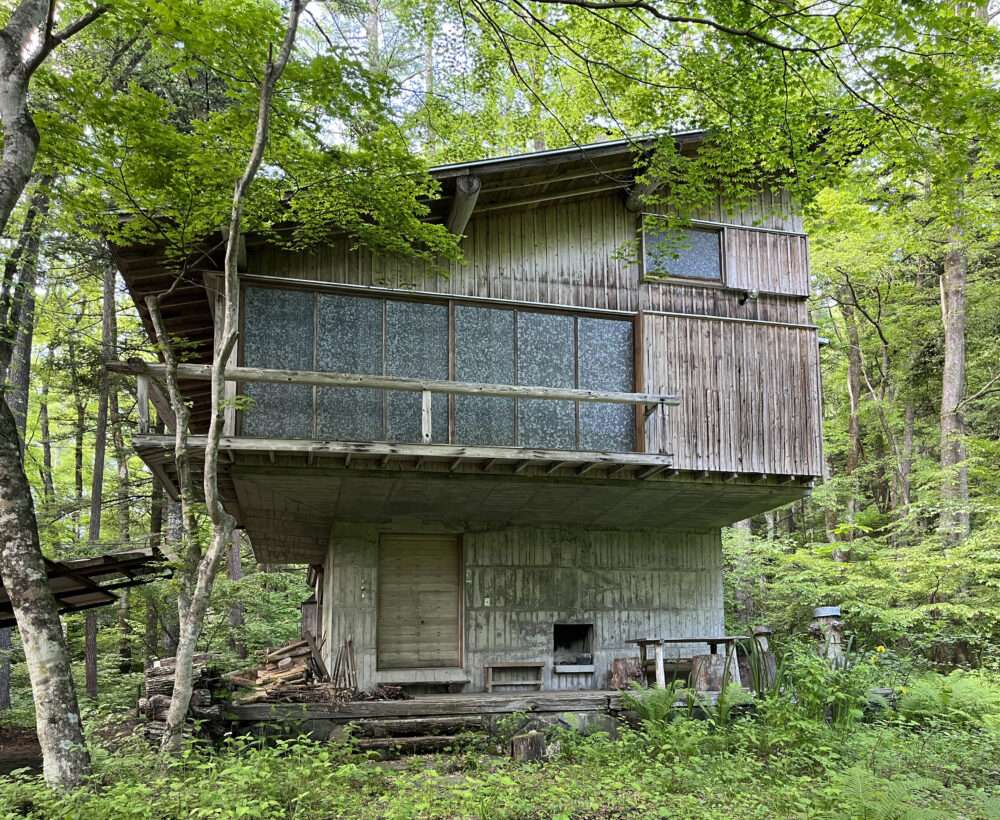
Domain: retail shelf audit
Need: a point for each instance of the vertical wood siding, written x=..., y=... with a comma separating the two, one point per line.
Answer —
x=577, y=254
x=627, y=584
x=750, y=395
x=767, y=261
x=563, y=255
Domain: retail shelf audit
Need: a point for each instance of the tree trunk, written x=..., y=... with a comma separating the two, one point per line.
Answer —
x=198, y=570
x=234, y=571
x=745, y=606
x=19, y=374
x=48, y=488
x=65, y=759
x=6, y=647
x=60, y=734
x=90, y=655
x=19, y=371
x=954, y=520
x=854, y=424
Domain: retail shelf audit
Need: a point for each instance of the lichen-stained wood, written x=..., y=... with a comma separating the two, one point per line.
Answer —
x=751, y=395
x=520, y=581
x=577, y=254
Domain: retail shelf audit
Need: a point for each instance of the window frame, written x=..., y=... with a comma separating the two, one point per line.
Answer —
x=451, y=302
x=695, y=224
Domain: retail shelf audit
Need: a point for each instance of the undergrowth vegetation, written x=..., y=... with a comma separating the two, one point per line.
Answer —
x=812, y=746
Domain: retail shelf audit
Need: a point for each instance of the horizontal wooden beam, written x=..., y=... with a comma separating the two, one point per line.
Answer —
x=522, y=457
x=319, y=379
x=607, y=187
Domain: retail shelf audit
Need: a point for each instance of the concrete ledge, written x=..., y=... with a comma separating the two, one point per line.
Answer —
x=429, y=675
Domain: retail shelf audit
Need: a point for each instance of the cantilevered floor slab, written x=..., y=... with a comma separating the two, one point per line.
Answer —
x=288, y=493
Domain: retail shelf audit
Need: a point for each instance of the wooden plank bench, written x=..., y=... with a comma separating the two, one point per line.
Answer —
x=538, y=666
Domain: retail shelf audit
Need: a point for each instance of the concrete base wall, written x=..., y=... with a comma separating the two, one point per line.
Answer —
x=519, y=582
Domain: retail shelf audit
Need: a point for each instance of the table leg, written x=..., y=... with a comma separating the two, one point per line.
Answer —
x=733, y=664
x=661, y=677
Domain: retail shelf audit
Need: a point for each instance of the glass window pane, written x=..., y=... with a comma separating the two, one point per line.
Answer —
x=278, y=333
x=545, y=358
x=349, y=340
x=484, y=352
x=416, y=348
x=693, y=254
x=605, y=358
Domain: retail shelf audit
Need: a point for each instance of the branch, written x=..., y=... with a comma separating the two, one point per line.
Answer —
x=985, y=390
x=52, y=41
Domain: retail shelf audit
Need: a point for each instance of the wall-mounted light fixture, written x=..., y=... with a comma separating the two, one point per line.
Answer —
x=748, y=295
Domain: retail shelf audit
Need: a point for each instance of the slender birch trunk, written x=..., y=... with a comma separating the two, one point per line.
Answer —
x=199, y=569
x=954, y=520
x=27, y=39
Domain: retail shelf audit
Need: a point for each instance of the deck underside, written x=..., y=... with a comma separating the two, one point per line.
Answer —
x=288, y=497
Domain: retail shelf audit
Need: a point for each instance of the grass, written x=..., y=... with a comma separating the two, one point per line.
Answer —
x=805, y=750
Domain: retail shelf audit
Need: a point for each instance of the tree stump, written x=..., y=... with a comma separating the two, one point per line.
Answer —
x=528, y=748
x=709, y=673
x=626, y=670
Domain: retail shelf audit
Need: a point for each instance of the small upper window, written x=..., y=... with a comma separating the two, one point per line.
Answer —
x=685, y=253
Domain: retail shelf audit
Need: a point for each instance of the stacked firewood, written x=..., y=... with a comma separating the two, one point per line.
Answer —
x=282, y=672
x=209, y=690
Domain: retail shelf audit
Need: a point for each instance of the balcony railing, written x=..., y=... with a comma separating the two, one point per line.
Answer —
x=149, y=392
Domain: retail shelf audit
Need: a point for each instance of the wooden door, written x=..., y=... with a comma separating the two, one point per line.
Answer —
x=419, y=606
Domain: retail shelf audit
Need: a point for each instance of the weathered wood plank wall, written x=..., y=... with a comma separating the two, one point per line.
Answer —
x=627, y=584
x=574, y=254
x=751, y=395
x=750, y=390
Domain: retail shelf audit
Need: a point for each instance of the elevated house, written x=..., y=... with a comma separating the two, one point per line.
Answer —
x=529, y=460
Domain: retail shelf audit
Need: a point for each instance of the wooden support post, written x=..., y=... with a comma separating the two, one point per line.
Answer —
x=425, y=416
x=661, y=676
x=142, y=401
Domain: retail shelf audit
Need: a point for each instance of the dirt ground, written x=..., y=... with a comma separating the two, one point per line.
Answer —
x=19, y=749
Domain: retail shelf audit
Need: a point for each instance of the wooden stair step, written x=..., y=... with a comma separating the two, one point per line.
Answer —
x=389, y=747
x=416, y=727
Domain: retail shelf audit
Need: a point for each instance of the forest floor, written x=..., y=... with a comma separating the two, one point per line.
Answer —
x=696, y=769
x=815, y=750
x=19, y=749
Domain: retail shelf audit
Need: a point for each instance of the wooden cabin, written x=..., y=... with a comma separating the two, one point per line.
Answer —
x=529, y=460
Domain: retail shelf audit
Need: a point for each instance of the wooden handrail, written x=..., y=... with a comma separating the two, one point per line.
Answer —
x=424, y=386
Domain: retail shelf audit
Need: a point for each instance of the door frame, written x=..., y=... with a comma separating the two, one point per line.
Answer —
x=460, y=587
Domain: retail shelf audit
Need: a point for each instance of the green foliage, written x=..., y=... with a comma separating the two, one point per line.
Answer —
x=961, y=699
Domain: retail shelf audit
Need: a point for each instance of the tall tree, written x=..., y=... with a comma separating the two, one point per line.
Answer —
x=26, y=41
x=197, y=574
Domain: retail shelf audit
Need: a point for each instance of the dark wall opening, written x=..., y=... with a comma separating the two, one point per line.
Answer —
x=573, y=643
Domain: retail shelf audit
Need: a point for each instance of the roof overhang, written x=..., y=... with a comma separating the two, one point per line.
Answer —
x=286, y=494
x=85, y=583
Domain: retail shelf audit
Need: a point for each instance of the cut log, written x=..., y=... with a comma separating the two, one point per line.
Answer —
x=709, y=673
x=626, y=670
x=528, y=748
x=294, y=648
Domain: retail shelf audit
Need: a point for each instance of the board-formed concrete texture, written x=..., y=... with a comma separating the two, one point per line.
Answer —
x=519, y=582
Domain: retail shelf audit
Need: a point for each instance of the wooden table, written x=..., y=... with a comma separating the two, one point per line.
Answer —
x=657, y=643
